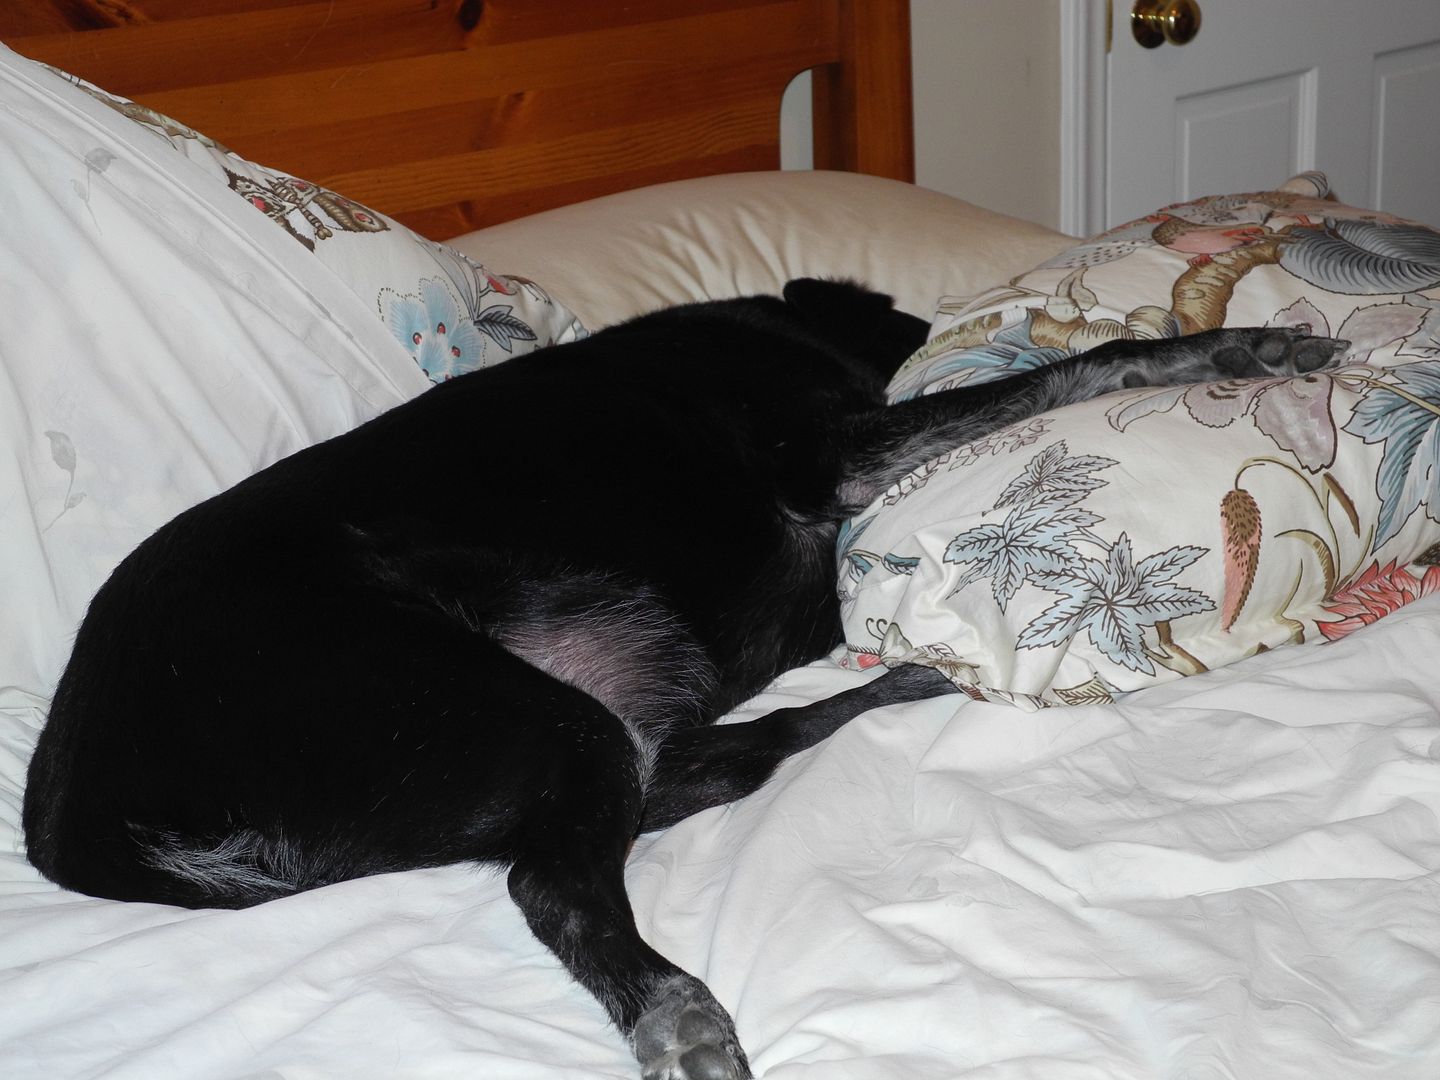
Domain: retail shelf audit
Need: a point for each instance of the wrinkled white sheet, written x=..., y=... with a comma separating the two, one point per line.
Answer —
x=1234, y=876
x=1229, y=877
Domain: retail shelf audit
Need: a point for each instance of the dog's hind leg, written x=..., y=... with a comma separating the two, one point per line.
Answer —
x=576, y=673
x=573, y=899
x=883, y=446
x=708, y=766
x=567, y=879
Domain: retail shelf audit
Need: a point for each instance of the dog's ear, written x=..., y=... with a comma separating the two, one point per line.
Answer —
x=860, y=321
x=843, y=308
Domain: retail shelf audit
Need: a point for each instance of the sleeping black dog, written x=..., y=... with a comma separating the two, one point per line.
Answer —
x=495, y=624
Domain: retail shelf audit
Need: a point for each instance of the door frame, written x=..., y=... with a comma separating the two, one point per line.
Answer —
x=1084, y=45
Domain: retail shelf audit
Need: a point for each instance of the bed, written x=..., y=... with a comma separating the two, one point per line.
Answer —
x=1182, y=820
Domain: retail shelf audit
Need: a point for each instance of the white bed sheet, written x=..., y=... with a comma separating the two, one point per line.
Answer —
x=1234, y=876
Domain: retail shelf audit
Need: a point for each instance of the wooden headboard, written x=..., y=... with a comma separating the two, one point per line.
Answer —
x=454, y=114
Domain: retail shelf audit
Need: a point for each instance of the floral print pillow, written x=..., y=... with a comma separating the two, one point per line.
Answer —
x=450, y=313
x=1157, y=533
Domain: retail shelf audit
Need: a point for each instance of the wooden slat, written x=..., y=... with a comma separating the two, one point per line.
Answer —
x=161, y=10
x=516, y=20
x=18, y=19
x=457, y=113
x=863, y=108
x=325, y=149
x=21, y=18
x=511, y=170
x=136, y=60
x=776, y=37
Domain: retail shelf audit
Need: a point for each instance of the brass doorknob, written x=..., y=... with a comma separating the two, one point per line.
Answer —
x=1154, y=22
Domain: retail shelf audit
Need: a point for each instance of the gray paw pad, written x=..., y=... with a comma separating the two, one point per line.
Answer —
x=1274, y=351
x=686, y=1035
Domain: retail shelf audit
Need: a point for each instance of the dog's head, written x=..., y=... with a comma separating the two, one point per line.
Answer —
x=859, y=322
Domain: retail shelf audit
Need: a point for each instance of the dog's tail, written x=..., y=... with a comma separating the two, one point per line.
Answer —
x=124, y=861
x=81, y=841
x=236, y=870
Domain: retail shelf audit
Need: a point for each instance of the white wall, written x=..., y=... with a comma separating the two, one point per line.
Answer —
x=987, y=104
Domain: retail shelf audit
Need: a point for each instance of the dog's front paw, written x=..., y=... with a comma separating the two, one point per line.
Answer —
x=686, y=1035
x=1258, y=352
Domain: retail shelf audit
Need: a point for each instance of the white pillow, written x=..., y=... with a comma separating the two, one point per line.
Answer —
x=162, y=342
x=450, y=312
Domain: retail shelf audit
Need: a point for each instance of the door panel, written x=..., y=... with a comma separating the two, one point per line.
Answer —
x=1226, y=137
x=1273, y=87
x=1407, y=130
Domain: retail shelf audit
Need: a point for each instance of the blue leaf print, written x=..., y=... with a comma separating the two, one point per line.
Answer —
x=850, y=533
x=852, y=564
x=1032, y=540
x=1011, y=351
x=503, y=328
x=860, y=561
x=1115, y=600
x=1404, y=419
x=900, y=564
x=1364, y=257
x=1039, y=534
x=1054, y=478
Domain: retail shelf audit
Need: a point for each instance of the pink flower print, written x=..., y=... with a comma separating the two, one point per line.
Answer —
x=504, y=286
x=1202, y=242
x=1375, y=593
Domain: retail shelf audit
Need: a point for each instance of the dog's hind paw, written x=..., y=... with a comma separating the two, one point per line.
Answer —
x=1258, y=352
x=686, y=1035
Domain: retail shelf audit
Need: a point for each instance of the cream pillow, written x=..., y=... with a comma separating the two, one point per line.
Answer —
x=720, y=236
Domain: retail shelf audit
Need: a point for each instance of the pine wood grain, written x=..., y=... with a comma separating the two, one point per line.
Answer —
x=452, y=114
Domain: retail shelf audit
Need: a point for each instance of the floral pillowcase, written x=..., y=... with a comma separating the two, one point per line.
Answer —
x=450, y=313
x=1157, y=533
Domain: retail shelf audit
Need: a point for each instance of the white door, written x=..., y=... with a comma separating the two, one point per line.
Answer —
x=1269, y=88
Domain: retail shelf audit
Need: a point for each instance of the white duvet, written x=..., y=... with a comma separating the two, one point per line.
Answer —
x=1232, y=876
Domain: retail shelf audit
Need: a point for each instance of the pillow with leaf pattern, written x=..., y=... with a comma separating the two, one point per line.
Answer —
x=1157, y=533
x=449, y=312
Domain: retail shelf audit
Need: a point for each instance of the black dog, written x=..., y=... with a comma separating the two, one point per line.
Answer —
x=495, y=623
